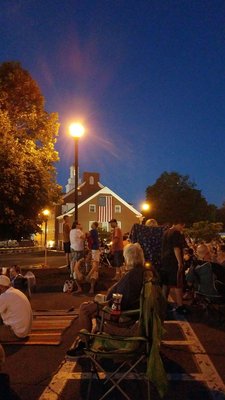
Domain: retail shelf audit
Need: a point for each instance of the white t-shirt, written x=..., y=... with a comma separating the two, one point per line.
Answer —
x=77, y=239
x=15, y=311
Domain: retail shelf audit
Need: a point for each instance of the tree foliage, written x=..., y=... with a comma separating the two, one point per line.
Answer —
x=204, y=231
x=174, y=197
x=27, y=155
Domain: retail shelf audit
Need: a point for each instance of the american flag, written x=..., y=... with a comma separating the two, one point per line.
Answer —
x=105, y=209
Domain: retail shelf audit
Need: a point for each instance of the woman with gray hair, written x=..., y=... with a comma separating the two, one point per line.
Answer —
x=129, y=286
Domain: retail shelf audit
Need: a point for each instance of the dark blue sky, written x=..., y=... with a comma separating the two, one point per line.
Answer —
x=147, y=78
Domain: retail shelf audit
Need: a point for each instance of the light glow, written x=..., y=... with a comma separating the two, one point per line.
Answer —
x=145, y=207
x=76, y=129
x=46, y=212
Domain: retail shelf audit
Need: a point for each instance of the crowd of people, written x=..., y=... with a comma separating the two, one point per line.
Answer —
x=177, y=263
x=83, y=261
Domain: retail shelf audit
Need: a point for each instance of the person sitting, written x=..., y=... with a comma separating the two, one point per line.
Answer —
x=85, y=270
x=15, y=312
x=207, y=273
x=18, y=281
x=129, y=286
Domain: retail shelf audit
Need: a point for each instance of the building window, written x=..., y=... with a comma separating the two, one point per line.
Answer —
x=91, y=180
x=89, y=224
x=92, y=208
x=117, y=208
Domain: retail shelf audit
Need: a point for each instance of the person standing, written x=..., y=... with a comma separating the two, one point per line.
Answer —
x=66, y=239
x=117, y=248
x=77, y=238
x=93, y=240
x=172, y=265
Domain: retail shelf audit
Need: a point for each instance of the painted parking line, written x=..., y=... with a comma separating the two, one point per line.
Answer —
x=207, y=372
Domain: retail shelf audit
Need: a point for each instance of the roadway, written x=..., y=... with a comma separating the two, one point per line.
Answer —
x=32, y=258
x=193, y=353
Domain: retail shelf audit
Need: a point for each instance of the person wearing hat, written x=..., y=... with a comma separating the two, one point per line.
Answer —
x=15, y=312
x=117, y=247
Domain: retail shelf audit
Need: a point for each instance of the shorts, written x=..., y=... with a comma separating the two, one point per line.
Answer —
x=66, y=247
x=76, y=255
x=118, y=258
x=95, y=255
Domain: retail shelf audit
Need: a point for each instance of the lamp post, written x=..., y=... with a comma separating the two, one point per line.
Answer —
x=76, y=131
x=46, y=214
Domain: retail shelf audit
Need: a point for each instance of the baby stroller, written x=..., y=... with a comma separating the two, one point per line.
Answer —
x=209, y=283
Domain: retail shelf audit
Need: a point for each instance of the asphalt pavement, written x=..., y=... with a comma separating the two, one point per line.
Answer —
x=193, y=352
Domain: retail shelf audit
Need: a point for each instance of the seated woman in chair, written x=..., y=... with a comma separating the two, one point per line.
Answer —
x=129, y=286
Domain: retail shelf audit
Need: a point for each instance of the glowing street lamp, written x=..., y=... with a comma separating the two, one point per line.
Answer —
x=145, y=209
x=76, y=131
x=46, y=213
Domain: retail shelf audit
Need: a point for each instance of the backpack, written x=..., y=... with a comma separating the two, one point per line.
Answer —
x=68, y=286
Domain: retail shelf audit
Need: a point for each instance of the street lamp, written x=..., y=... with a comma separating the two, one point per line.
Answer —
x=145, y=208
x=76, y=131
x=46, y=213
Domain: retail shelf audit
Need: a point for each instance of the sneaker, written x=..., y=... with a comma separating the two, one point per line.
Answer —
x=76, y=351
x=182, y=310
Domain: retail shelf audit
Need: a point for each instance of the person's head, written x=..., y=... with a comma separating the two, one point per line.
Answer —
x=66, y=218
x=76, y=225
x=113, y=223
x=133, y=255
x=94, y=225
x=179, y=225
x=14, y=271
x=203, y=253
x=151, y=222
x=4, y=283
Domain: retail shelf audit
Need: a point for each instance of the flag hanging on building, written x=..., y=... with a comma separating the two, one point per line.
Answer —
x=105, y=208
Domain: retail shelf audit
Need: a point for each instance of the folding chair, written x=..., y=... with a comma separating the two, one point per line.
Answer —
x=210, y=292
x=128, y=352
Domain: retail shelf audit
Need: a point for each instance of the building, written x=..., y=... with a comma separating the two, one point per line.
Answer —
x=96, y=203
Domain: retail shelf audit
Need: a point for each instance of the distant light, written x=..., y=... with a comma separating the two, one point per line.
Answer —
x=145, y=207
x=46, y=212
x=76, y=130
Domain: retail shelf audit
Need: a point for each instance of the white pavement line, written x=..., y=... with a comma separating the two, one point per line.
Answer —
x=58, y=382
x=208, y=372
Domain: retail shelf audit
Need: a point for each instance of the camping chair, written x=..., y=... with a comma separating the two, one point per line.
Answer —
x=210, y=290
x=128, y=352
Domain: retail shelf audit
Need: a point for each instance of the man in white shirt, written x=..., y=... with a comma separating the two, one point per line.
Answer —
x=77, y=238
x=15, y=312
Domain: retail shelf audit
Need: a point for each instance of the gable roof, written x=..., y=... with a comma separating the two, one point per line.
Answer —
x=103, y=191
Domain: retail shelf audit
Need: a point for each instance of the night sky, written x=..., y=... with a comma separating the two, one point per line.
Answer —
x=146, y=78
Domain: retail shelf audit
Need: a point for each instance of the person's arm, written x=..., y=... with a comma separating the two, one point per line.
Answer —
x=179, y=257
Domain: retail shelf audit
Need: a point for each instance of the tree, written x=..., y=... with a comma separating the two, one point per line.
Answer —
x=174, y=197
x=204, y=231
x=27, y=155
